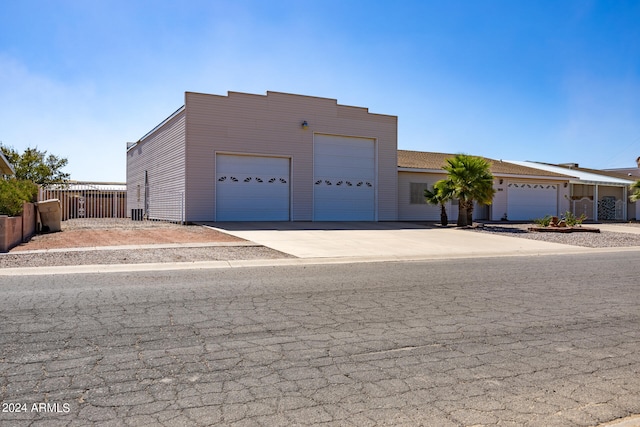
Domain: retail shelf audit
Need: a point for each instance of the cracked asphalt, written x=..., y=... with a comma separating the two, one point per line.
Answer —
x=539, y=341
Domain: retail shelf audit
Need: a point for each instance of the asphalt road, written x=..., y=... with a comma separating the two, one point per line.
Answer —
x=544, y=341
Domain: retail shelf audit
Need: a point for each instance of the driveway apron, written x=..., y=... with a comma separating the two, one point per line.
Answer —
x=384, y=239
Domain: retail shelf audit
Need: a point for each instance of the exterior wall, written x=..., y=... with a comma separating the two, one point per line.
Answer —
x=564, y=202
x=271, y=125
x=633, y=211
x=17, y=229
x=418, y=212
x=162, y=155
x=608, y=191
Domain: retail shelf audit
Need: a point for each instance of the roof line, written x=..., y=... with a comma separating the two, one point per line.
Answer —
x=175, y=113
x=9, y=165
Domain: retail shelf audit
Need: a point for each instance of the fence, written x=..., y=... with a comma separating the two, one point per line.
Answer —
x=88, y=201
x=583, y=206
x=158, y=205
x=608, y=208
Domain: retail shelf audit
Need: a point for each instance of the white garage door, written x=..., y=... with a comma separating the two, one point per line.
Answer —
x=344, y=178
x=252, y=188
x=527, y=201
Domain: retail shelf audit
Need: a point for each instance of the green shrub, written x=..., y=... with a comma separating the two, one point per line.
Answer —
x=573, y=220
x=14, y=193
x=543, y=222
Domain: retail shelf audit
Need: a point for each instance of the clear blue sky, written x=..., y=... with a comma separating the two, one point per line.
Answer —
x=554, y=81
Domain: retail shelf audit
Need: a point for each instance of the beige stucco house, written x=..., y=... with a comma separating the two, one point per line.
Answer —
x=599, y=195
x=522, y=193
x=273, y=157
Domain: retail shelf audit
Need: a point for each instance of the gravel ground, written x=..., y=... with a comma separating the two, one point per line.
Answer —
x=106, y=232
x=140, y=256
x=604, y=239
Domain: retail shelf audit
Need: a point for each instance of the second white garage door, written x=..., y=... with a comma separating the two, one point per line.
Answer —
x=527, y=201
x=344, y=172
x=252, y=188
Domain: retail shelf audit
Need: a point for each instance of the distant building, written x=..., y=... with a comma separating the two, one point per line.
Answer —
x=634, y=173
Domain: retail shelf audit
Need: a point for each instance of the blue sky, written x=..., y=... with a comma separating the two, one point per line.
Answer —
x=554, y=81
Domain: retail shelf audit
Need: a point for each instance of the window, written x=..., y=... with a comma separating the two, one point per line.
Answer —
x=417, y=192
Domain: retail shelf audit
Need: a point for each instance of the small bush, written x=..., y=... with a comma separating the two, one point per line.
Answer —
x=14, y=193
x=572, y=220
x=543, y=222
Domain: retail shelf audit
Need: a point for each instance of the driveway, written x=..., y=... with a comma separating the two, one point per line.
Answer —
x=384, y=240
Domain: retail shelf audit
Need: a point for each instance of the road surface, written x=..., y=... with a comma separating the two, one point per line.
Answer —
x=541, y=341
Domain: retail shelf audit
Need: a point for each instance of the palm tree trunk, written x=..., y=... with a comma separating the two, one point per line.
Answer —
x=444, y=220
x=462, y=214
x=470, y=212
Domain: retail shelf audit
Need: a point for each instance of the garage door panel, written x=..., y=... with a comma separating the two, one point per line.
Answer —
x=252, y=188
x=344, y=178
x=527, y=201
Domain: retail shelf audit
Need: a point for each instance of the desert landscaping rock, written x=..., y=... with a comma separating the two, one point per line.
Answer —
x=138, y=256
x=97, y=233
x=604, y=239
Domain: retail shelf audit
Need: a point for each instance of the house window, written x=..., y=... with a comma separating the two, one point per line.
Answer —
x=417, y=192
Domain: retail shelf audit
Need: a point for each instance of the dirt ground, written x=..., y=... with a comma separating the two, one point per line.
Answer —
x=117, y=232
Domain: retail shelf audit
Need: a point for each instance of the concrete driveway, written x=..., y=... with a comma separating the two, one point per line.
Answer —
x=384, y=240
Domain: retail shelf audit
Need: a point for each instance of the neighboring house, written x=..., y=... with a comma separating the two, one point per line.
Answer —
x=6, y=168
x=522, y=193
x=273, y=157
x=88, y=199
x=631, y=173
x=608, y=189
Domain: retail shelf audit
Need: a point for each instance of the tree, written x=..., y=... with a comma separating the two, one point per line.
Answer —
x=36, y=166
x=440, y=195
x=635, y=188
x=470, y=180
x=13, y=195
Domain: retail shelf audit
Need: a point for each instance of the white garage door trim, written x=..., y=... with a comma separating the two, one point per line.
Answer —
x=527, y=201
x=344, y=178
x=252, y=188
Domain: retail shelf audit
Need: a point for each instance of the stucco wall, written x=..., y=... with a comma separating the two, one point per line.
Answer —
x=271, y=125
x=417, y=212
x=17, y=229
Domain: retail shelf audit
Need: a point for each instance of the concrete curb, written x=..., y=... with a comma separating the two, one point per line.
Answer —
x=632, y=421
x=202, y=265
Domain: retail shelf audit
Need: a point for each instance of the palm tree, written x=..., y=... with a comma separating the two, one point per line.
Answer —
x=471, y=180
x=635, y=188
x=440, y=195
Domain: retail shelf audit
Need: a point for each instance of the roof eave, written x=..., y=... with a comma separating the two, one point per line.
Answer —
x=5, y=167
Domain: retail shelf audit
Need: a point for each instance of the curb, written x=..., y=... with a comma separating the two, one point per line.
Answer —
x=279, y=262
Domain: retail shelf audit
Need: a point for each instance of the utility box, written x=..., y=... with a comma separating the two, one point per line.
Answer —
x=50, y=215
x=137, y=214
